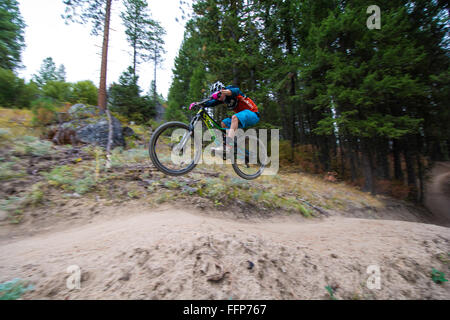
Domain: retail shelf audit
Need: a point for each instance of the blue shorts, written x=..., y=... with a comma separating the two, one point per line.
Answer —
x=246, y=118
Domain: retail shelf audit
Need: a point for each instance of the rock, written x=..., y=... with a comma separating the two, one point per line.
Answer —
x=85, y=276
x=97, y=133
x=88, y=124
x=128, y=132
x=189, y=190
x=125, y=276
x=81, y=111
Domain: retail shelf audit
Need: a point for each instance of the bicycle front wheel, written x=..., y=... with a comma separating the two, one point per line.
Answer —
x=172, y=149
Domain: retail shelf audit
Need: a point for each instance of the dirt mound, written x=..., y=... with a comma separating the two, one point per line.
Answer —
x=175, y=254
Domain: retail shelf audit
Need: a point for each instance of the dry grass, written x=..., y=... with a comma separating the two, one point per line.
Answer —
x=18, y=121
x=322, y=193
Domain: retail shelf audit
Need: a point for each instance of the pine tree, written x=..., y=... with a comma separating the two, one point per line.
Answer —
x=377, y=99
x=49, y=72
x=98, y=13
x=11, y=34
x=61, y=73
x=126, y=99
x=46, y=73
x=143, y=33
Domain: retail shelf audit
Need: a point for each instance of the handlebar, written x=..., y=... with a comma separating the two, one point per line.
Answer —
x=200, y=103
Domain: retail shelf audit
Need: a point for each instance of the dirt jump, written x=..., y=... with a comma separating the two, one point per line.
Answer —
x=175, y=253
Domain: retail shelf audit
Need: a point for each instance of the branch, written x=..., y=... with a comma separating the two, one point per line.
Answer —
x=314, y=207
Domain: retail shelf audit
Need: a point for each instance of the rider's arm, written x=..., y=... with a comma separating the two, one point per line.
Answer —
x=233, y=91
x=224, y=93
x=212, y=103
x=227, y=92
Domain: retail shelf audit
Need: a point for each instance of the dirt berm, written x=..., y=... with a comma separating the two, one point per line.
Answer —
x=172, y=253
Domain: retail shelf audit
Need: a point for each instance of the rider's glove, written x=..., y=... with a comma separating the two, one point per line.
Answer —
x=192, y=105
x=216, y=95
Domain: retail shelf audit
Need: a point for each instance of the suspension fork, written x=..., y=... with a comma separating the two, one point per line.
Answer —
x=188, y=134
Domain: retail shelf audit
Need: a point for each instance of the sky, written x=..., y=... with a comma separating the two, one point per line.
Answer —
x=47, y=35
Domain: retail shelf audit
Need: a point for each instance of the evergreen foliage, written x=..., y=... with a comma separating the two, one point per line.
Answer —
x=369, y=103
x=126, y=99
x=11, y=34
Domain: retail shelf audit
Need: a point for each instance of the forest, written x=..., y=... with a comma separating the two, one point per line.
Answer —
x=93, y=205
x=367, y=104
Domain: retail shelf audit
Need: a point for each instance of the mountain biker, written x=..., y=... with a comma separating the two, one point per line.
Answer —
x=246, y=111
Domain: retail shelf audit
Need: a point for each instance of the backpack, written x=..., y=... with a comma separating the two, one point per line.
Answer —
x=245, y=103
x=242, y=102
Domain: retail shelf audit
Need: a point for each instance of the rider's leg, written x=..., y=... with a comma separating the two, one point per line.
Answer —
x=233, y=127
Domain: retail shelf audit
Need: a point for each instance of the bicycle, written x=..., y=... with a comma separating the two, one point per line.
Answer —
x=177, y=139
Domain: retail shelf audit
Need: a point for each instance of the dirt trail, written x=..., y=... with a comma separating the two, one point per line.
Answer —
x=180, y=254
x=437, y=197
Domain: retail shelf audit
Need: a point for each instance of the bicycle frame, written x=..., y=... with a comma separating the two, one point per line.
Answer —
x=209, y=122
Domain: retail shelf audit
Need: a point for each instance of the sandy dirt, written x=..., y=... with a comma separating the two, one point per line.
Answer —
x=170, y=253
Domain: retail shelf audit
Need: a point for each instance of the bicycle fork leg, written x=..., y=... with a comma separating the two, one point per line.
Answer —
x=182, y=143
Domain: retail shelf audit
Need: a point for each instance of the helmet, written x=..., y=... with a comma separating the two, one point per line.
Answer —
x=216, y=87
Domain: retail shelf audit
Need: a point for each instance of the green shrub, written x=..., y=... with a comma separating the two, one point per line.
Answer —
x=438, y=276
x=65, y=178
x=7, y=172
x=84, y=92
x=44, y=112
x=29, y=145
x=57, y=90
x=13, y=205
x=14, y=289
x=154, y=124
x=5, y=135
x=36, y=195
x=10, y=88
x=120, y=157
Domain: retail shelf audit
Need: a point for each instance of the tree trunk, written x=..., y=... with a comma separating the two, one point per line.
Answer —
x=369, y=183
x=302, y=133
x=154, y=77
x=382, y=168
x=342, y=155
x=134, y=58
x=352, y=158
x=421, y=178
x=292, y=93
x=325, y=153
x=398, y=173
x=410, y=170
x=102, y=87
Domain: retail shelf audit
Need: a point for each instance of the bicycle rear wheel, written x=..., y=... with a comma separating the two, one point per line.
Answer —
x=172, y=149
x=250, y=157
